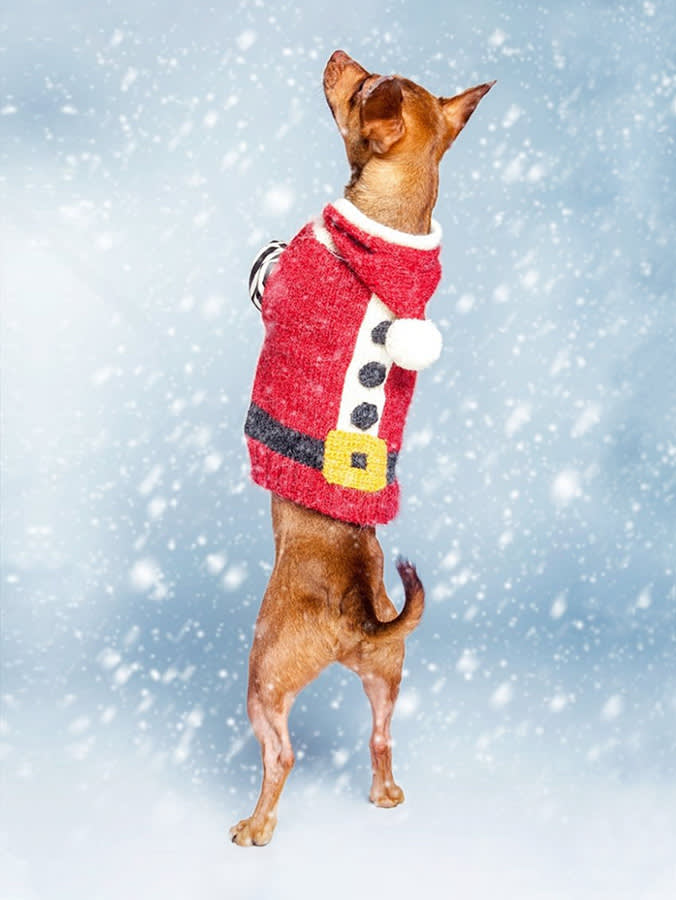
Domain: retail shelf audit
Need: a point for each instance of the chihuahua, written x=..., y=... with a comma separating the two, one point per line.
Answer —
x=343, y=308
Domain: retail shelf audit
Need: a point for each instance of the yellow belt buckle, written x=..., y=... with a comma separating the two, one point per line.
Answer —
x=355, y=460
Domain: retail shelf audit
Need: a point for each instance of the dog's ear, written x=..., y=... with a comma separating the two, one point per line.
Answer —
x=458, y=109
x=381, y=120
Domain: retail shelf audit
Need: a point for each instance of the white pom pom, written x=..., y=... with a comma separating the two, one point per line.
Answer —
x=413, y=343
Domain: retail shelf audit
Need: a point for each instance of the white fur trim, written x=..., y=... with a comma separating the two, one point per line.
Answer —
x=323, y=235
x=413, y=343
x=416, y=241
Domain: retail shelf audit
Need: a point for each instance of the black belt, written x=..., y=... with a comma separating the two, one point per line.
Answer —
x=302, y=448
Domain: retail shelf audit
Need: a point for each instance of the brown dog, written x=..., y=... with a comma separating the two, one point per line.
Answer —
x=326, y=601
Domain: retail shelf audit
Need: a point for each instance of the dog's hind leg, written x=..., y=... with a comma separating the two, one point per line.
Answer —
x=269, y=721
x=379, y=668
x=285, y=656
x=382, y=693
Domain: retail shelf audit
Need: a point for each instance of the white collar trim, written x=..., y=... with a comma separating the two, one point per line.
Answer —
x=323, y=235
x=416, y=241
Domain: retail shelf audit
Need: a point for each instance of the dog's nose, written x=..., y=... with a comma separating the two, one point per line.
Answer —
x=340, y=57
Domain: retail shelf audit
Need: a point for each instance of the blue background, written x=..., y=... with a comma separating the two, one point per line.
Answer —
x=147, y=150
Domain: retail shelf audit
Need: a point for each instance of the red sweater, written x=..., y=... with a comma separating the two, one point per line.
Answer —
x=329, y=403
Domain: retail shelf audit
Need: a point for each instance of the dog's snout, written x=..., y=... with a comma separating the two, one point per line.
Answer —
x=335, y=67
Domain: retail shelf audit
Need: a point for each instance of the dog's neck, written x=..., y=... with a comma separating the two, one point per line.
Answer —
x=401, y=198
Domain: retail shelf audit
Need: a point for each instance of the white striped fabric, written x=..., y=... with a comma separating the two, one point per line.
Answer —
x=263, y=265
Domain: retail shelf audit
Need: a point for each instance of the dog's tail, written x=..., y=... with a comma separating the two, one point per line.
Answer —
x=411, y=614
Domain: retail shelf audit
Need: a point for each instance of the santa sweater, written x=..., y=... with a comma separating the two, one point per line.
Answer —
x=345, y=333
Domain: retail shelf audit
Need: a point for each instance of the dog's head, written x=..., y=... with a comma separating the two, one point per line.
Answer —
x=392, y=116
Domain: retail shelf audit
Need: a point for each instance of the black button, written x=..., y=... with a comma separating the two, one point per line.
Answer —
x=372, y=374
x=378, y=333
x=364, y=415
x=358, y=461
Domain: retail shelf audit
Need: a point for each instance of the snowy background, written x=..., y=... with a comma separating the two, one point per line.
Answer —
x=147, y=150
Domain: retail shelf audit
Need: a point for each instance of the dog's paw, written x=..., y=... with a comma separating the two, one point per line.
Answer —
x=248, y=834
x=386, y=795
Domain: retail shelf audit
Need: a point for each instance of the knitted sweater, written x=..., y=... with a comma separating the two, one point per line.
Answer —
x=343, y=310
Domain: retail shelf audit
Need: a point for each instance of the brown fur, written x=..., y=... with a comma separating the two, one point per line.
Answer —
x=326, y=600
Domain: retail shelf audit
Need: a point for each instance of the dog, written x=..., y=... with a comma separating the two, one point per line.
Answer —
x=343, y=306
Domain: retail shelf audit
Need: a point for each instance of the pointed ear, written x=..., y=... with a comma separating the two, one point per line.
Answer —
x=381, y=120
x=458, y=109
